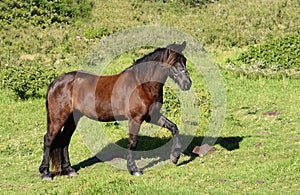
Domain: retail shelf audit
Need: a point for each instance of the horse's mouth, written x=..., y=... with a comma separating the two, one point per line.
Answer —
x=186, y=86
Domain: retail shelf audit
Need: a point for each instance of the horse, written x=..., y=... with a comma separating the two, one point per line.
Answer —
x=135, y=94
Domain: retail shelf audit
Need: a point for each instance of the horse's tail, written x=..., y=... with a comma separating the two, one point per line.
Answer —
x=56, y=120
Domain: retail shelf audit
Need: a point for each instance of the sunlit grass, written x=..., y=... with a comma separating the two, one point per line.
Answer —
x=267, y=159
x=264, y=160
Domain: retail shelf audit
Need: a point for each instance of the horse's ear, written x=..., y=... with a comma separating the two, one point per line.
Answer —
x=177, y=47
x=183, y=46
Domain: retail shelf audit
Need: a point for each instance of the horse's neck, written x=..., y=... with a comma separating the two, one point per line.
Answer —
x=150, y=72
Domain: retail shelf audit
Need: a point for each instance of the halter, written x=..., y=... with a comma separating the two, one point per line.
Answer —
x=175, y=75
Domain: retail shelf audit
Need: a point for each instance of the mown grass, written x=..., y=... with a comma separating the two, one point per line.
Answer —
x=256, y=153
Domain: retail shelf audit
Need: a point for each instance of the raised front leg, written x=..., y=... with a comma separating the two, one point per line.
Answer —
x=162, y=121
x=134, y=128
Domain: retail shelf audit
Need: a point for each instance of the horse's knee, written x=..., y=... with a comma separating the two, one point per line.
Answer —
x=132, y=143
x=174, y=129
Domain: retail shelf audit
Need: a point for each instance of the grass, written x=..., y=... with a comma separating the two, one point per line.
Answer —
x=266, y=160
x=256, y=153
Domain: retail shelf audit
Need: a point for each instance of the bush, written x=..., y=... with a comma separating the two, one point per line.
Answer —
x=276, y=55
x=26, y=81
x=42, y=12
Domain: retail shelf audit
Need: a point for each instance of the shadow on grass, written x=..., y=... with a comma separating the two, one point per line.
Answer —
x=147, y=148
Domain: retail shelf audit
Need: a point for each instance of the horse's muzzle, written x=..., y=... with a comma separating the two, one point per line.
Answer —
x=186, y=85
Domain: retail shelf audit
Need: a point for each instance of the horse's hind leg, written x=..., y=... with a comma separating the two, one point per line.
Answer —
x=44, y=168
x=66, y=135
x=56, y=119
x=52, y=132
x=134, y=128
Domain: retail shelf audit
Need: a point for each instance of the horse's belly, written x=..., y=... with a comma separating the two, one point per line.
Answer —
x=107, y=112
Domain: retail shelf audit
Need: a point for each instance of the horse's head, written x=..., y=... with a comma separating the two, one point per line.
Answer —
x=177, y=63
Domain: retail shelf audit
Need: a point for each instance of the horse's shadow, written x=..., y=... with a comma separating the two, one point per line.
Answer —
x=157, y=149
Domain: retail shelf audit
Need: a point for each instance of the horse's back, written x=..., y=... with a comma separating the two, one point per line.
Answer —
x=88, y=93
x=61, y=92
x=68, y=81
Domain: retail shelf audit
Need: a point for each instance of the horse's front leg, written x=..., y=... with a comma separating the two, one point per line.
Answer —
x=162, y=121
x=134, y=128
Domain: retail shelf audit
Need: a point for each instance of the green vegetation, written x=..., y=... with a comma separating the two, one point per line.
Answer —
x=258, y=147
x=275, y=55
x=266, y=158
x=42, y=12
x=27, y=82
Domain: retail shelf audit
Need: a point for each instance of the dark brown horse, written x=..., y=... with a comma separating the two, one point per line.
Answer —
x=136, y=95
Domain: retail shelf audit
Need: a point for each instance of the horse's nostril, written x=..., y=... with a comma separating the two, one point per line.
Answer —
x=186, y=85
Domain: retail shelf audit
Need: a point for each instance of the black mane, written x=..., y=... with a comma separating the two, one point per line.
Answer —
x=157, y=56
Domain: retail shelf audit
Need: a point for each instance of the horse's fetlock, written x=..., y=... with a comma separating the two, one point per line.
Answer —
x=178, y=145
x=174, y=130
x=44, y=169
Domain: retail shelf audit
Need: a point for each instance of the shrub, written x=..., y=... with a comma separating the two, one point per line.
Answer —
x=276, y=55
x=26, y=81
x=42, y=12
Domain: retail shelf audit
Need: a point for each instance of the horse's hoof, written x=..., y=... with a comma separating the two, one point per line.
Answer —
x=72, y=174
x=46, y=177
x=136, y=173
x=174, y=159
x=69, y=172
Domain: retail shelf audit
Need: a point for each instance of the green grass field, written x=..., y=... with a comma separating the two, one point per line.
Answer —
x=258, y=148
x=265, y=159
